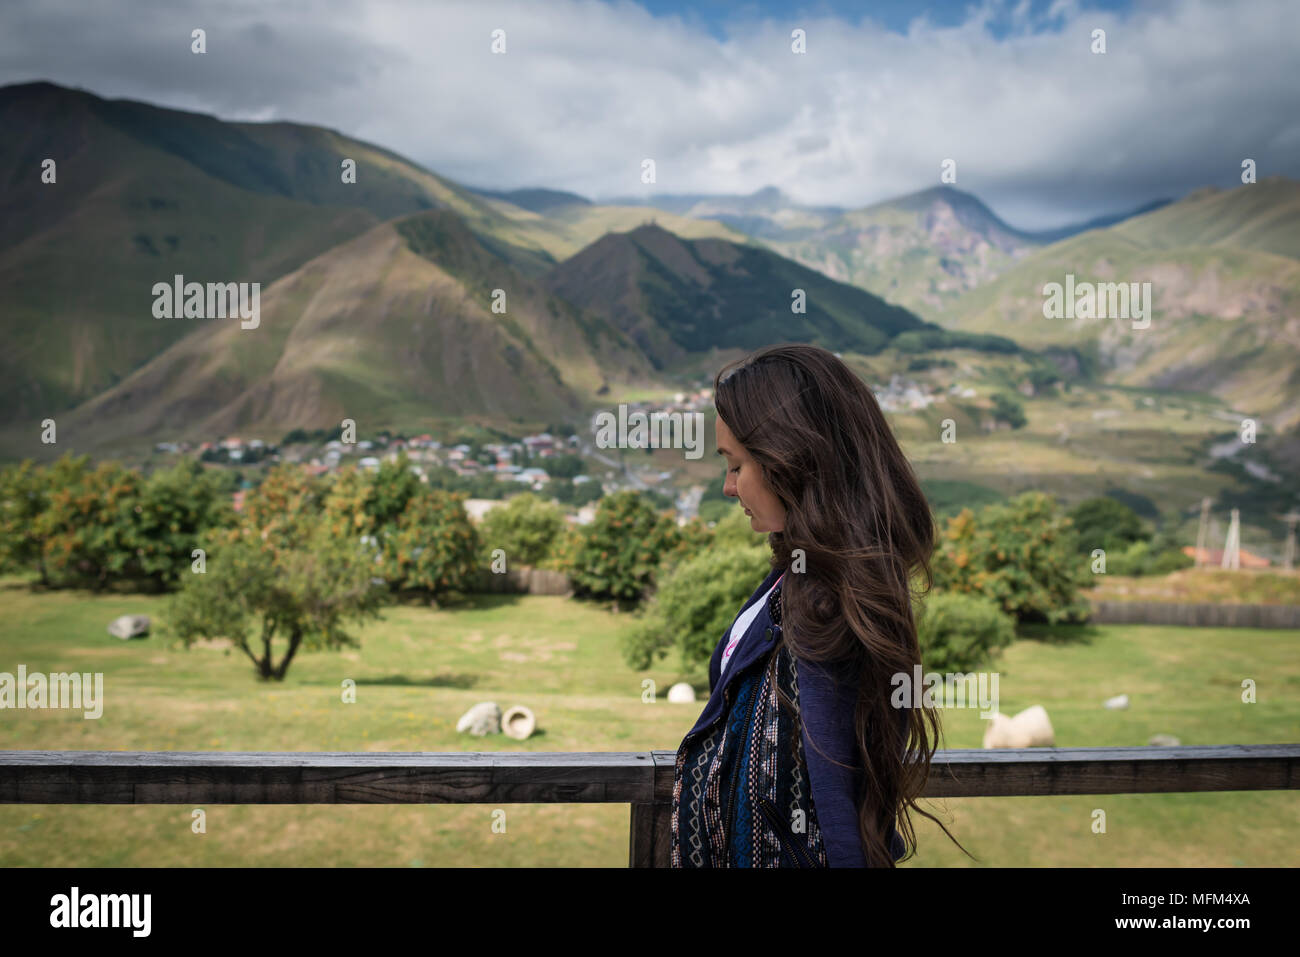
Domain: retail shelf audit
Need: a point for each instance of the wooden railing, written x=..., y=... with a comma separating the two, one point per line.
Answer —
x=642, y=779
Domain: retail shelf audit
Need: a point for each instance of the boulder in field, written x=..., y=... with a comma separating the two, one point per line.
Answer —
x=129, y=626
x=1028, y=729
x=484, y=718
x=681, y=693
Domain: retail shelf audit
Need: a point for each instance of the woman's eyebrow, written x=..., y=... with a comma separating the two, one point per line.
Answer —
x=722, y=451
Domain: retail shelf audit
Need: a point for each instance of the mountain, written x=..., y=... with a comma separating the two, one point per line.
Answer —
x=1224, y=268
x=393, y=328
x=1260, y=217
x=143, y=193
x=674, y=296
x=767, y=213
x=536, y=200
x=1046, y=236
x=921, y=251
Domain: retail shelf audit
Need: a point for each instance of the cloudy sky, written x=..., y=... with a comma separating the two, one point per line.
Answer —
x=1041, y=128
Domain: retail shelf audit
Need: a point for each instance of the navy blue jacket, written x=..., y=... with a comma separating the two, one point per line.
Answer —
x=826, y=715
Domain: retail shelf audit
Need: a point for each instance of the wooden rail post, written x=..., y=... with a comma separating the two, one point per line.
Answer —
x=651, y=835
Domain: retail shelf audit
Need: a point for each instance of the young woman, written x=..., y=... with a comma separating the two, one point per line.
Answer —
x=799, y=758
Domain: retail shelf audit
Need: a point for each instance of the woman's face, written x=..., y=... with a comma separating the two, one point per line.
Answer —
x=744, y=481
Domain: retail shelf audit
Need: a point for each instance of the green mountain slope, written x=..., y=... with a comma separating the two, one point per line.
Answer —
x=1225, y=298
x=675, y=296
x=143, y=193
x=79, y=257
x=921, y=251
x=393, y=328
x=1261, y=217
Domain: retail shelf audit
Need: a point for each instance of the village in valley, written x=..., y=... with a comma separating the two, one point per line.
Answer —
x=564, y=465
x=567, y=467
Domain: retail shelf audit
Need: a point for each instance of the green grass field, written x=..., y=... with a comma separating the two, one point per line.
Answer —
x=419, y=669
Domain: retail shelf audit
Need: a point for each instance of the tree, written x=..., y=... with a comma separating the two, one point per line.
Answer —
x=734, y=528
x=1022, y=554
x=1007, y=408
x=563, y=465
x=265, y=596
x=584, y=493
x=24, y=496
x=178, y=507
x=619, y=552
x=287, y=506
x=433, y=546
x=89, y=528
x=525, y=527
x=1106, y=523
x=392, y=488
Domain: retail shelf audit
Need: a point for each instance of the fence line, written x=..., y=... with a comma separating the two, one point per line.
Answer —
x=642, y=779
x=1195, y=614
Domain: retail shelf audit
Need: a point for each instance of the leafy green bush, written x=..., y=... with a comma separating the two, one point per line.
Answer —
x=78, y=526
x=1007, y=408
x=734, y=529
x=88, y=527
x=433, y=546
x=179, y=507
x=423, y=536
x=1170, y=560
x=286, y=506
x=1129, y=561
x=1022, y=554
x=1105, y=523
x=618, y=553
x=714, y=511
x=525, y=527
x=695, y=603
x=1141, y=558
x=24, y=496
x=959, y=633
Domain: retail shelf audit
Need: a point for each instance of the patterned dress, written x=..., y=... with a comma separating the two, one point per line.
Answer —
x=740, y=790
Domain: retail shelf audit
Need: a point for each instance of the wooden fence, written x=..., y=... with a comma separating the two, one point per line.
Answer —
x=1194, y=614
x=642, y=779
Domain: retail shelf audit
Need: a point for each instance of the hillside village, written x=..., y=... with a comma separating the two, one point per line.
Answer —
x=523, y=461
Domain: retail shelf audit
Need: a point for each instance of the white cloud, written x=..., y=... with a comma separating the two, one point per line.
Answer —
x=1040, y=127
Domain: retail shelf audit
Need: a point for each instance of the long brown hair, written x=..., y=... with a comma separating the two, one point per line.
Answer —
x=860, y=525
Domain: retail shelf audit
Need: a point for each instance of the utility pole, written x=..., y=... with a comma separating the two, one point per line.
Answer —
x=1288, y=560
x=1232, y=545
x=1202, y=530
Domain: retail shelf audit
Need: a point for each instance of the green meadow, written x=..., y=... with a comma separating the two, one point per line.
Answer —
x=419, y=669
